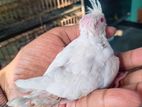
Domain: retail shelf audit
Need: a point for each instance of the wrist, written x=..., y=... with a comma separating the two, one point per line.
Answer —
x=2, y=79
x=3, y=98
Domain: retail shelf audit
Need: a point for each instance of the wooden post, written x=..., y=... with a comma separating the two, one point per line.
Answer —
x=58, y=3
x=83, y=7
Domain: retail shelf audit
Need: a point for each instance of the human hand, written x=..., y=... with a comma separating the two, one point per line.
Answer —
x=34, y=59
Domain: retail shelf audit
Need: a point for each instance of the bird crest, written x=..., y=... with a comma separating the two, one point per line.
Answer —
x=96, y=6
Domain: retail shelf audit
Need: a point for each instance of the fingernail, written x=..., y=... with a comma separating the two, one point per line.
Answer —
x=118, y=33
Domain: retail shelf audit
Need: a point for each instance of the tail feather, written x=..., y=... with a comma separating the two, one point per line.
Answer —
x=37, y=83
x=35, y=99
x=18, y=102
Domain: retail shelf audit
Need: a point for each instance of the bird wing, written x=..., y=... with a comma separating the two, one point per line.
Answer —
x=111, y=70
x=69, y=74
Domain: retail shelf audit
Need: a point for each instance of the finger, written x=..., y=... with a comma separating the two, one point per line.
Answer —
x=108, y=98
x=135, y=87
x=132, y=78
x=73, y=32
x=65, y=34
x=110, y=31
x=131, y=59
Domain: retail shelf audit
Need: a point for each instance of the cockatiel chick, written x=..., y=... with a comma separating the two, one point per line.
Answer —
x=86, y=64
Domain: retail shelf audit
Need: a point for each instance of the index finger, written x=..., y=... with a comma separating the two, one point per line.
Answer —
x=73, y=31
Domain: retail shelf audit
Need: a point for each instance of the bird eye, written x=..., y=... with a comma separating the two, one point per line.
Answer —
x=102, y=19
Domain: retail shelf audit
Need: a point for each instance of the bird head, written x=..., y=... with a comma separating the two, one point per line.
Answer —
x=94, y=22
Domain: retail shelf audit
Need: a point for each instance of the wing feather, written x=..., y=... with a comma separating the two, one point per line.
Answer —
x=72, y=73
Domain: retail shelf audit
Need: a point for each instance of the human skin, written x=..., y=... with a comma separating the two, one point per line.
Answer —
x=33, y=60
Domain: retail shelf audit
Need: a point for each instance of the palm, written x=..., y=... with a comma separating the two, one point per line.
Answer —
x=34, y=59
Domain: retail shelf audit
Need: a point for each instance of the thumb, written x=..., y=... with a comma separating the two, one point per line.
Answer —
x=108, y=98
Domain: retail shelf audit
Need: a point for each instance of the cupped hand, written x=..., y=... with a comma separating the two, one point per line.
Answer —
x=34, y=59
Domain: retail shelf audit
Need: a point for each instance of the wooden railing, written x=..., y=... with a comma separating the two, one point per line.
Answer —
x=21, y=21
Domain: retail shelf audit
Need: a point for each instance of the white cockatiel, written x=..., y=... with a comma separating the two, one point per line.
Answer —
x=86, y=64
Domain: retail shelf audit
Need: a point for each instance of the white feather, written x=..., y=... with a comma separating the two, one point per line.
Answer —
x=96, y=6
x=75, y=75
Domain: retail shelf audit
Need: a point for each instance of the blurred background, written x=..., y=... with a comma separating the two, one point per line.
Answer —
x=21, y=21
